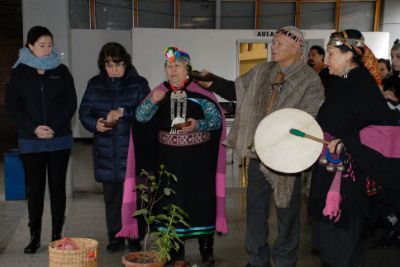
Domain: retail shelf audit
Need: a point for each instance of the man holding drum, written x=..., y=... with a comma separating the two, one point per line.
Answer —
x=285, y=82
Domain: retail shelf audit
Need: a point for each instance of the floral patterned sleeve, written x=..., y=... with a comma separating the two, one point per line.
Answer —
x=212, y=117
x=146, y=110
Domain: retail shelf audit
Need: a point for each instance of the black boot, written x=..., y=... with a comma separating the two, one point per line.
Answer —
x=206, y=249
x=57, y=224
x=115, y=244
x=34, y=244
x=134, y=245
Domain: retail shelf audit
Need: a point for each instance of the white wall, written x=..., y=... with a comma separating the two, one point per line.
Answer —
x=391, y=21
x=378, y=42
x=85, y=48
x=37, y=12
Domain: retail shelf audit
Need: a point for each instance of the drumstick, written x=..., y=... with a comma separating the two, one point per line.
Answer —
x=299, y=133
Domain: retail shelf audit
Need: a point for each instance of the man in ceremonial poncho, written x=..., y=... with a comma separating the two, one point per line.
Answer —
x=285, y=82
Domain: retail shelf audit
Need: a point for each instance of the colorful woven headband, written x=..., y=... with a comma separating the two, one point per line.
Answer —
x=337, y=40
x=291, y=35
x=173, y=53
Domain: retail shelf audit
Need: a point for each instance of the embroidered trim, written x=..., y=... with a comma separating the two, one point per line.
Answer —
x=183, y=139
x=192, y=231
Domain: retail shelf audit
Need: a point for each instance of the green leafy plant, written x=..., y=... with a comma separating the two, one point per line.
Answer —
x=150, y=194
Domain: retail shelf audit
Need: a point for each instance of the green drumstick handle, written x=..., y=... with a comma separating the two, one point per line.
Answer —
x=299, y=133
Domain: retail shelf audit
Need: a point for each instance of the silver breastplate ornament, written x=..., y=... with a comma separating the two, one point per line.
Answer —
x=178, y=108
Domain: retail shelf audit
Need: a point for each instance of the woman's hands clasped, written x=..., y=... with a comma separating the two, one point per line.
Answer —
x=44, y=132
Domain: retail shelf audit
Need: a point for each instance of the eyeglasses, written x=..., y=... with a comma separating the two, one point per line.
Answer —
x=116, y=65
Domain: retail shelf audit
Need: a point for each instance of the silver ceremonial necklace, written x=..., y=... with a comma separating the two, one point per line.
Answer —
x=178, y=108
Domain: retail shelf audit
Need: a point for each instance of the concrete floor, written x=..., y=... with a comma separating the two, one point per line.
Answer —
x=85, y=218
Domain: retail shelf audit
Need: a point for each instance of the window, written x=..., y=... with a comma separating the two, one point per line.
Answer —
x=276, y=15
x=358, y=16
x=238, y=15
x=79, y=14
x=318, y=16
x=114, y=15
x=156, y=13
x=197, y=14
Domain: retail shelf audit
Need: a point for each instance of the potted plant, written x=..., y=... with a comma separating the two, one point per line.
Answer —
x=150, y=193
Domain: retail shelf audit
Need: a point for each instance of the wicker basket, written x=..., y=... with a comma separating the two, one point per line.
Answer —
x=86, y=256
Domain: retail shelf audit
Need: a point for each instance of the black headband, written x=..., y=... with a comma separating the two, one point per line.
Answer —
x=291, y=35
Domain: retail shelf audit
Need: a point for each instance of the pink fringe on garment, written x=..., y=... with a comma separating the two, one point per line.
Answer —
x=333, y=199
x=221, y=225
x=382, y=139
x=129, y=223
x=129, y=230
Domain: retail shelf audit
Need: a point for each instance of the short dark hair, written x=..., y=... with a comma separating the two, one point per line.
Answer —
x=35, y=33
x=114, y=52
x=387, y=63
x=319, y=50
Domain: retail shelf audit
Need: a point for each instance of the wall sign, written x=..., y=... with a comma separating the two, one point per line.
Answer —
x=265, y=33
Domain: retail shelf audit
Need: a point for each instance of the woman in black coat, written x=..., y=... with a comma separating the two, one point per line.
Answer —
x=108, y=110
x=41, y=98
x=338, y=197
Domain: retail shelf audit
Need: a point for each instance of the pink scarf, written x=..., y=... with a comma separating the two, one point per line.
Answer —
x=129, y=204
x=382, y=139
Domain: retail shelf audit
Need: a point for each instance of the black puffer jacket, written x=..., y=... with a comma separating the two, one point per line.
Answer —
x=48, y=99
x=102, y=95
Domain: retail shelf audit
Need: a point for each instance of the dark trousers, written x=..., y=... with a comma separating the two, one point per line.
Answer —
x=339, y=247
x=284, y=251
x=35, y=166
x=113, y=194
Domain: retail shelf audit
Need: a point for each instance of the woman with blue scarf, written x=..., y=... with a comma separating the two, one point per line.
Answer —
x=41, y=98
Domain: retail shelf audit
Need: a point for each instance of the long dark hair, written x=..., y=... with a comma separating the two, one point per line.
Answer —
x=35, y=33
x=114, y=52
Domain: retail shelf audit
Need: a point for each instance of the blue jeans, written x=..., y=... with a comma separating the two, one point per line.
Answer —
x=284, y=250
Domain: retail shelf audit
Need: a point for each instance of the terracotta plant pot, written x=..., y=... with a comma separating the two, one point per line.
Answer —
x=142, y=259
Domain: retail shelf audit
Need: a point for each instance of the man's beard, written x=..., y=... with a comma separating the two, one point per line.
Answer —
x=311, y=63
